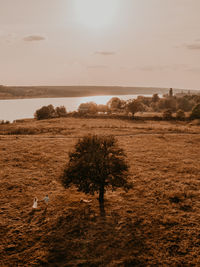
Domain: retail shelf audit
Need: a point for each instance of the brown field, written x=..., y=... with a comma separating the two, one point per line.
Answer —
x=155, y=224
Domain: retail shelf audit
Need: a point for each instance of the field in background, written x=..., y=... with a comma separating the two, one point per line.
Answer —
x=156, y=223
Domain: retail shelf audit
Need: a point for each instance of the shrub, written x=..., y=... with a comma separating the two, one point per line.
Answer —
x=45, y=112
x=167, y=114
x=97, y=163
x=22, y=131
x=4, y=122
x=61, y=111
x=195, y=112
x=180, y=114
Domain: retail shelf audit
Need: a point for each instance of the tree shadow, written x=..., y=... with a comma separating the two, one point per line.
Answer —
x=31, y=215
x=34, y=213
x=81, y=238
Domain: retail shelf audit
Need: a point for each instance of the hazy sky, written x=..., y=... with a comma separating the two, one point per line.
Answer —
x=100, y=42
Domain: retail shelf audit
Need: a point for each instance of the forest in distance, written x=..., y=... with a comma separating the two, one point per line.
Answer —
x=18, y=92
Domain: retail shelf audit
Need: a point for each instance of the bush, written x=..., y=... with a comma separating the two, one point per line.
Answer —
x=180, y=115
x=195, y=112
x=45, y=112
x=167, y=114
x=21, y=131
x=48, y=112
x=97, y=163
x=4, y=122
x=61, y=111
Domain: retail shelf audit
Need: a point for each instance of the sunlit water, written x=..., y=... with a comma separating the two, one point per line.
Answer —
x=25, y=108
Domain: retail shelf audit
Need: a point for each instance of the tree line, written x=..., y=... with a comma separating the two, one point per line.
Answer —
x=166, y=105
x=48, y=112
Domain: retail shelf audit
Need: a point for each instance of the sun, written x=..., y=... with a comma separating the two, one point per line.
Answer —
x=96, y=14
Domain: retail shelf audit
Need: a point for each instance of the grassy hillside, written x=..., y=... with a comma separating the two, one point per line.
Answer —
x=155, y=224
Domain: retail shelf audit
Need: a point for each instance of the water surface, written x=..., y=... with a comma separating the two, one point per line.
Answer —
x=14, y=109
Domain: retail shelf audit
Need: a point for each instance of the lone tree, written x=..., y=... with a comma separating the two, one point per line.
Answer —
x=96, y=164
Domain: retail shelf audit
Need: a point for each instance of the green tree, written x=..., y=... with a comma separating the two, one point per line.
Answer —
x=180, y=114
x=195, y=112
x=61, y=111
x=170, y=92
x=134, y=106
x=88, y=108
x=114, y=103
x=185, y=103
x=45, y=112
x=167, y=114
x=155, y=98
x=96, y=164
x=167, y=103
x=102, y=108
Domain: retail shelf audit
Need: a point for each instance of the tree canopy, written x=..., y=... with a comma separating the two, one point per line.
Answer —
x=96, y=164
x=48, y=112
x=45, y=112
x=195, y=112
x=134, y=106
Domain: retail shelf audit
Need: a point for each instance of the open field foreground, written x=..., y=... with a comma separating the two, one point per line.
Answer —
x=157, y=223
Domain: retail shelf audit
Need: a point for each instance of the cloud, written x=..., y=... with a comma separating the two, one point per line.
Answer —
x=193, y=46
x=32, y=38
x=97, y=67
x=153, y=68
x=105, y=53
x=163, y=67
x=194, y=69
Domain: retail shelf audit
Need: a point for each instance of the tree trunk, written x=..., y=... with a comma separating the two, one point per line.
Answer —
x=101, y=194
x=101, y=201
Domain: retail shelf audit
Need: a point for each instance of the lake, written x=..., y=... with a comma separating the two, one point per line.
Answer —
x=14, y=109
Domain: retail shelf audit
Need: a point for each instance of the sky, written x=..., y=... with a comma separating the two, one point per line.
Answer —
x=153, y=43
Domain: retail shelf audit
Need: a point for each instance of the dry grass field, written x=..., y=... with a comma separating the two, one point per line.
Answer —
x=157, y=223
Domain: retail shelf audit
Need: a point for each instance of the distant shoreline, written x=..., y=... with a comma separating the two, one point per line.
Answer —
x=70, y=96
x=31, y=92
